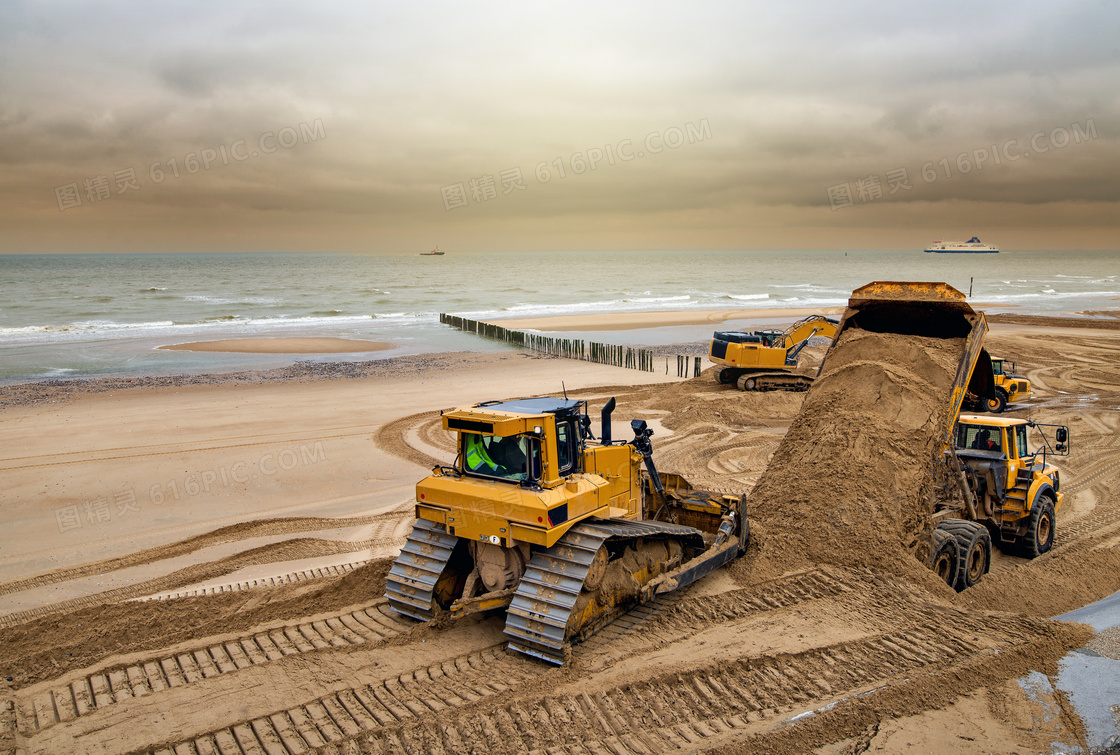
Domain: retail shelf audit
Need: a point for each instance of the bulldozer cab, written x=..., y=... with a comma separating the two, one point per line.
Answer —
x=530, y=442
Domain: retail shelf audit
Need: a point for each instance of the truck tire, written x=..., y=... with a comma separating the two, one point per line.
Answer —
x=999, y=403
x=945, y=558
x=976, y=551
x=1040, y=530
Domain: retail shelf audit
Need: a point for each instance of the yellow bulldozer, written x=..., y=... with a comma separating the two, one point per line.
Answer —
x=764, y=360
x=1005, y=493
x=564, y=532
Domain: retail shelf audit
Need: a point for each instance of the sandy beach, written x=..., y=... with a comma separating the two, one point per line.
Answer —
x=264, y=509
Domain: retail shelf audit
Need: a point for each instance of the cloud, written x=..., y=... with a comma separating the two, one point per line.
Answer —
x=417, y=97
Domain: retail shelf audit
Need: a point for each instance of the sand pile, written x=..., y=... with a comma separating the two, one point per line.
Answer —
x=852, y=481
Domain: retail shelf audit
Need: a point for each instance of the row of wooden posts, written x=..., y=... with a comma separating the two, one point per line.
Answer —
x=571, y=348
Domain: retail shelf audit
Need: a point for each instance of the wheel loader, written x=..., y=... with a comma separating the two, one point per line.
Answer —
x=564, y=532
x=1009, y=386
x=1012, y=491
x=764, y=360
x=1002, y=491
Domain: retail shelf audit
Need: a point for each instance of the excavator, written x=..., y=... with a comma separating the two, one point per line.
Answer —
x=1002, y=492
x=563, y=532
x=764, y=360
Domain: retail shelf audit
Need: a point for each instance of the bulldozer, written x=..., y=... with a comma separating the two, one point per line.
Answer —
x=1002, y=492
x=564, y=532
x=1010, y=386
x=764, y=360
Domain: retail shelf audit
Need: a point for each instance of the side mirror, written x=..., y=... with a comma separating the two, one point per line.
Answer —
x=1061, y=435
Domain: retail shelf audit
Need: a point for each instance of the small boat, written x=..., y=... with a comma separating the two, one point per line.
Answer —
x=972, y=246
x=434, y=253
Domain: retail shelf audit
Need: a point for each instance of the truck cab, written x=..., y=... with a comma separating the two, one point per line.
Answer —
x=1016, y=492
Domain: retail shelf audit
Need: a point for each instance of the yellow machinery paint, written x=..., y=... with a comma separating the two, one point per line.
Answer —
x=563, y=531
x=765, y=359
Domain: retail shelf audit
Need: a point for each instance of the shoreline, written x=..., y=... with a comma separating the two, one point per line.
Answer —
x=281, y=345
x=658, y=319
x=18, y=390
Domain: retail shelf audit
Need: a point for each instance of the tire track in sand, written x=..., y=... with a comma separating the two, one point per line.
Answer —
x=145, y=676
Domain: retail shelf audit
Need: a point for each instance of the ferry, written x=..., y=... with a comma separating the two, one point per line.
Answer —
x=972, y=246
x=434, y=253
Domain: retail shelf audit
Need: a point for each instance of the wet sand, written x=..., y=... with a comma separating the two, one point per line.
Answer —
x=282, y=346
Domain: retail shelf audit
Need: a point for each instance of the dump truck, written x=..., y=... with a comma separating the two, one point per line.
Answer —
x=563, y=532
x=764, y=360
x=1013, y=491
x=1002, y=492
x=1010, y=386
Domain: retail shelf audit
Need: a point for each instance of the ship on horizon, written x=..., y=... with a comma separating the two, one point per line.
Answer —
x=972, y=246
x=434, y=253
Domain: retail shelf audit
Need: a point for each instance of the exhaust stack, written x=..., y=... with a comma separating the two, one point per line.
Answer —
x=605, y=431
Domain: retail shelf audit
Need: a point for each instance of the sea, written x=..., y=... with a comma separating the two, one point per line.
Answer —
x=87, y=315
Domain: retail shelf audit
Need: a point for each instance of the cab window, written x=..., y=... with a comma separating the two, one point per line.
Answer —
x=565, y=442
x=979, y=438
x=1021, y=440
x=515, y=458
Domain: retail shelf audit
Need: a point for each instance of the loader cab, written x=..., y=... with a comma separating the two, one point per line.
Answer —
x=982, y=437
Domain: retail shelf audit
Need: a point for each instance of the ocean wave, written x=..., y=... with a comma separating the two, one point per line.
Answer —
x=231, y=300
x=90, y=329
x=745, y=297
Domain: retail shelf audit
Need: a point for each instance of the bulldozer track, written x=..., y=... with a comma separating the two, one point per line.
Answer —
x=392, y=437
x=735, y=604
x=461, y=706
x=170, y=582
x=306, y=575
x=235, y=533
x=97, y=691
x=427, y=694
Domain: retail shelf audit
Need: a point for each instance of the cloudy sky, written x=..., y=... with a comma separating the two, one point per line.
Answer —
x=226, y=126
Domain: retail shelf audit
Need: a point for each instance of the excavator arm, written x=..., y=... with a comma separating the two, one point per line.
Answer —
x=802, y=330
